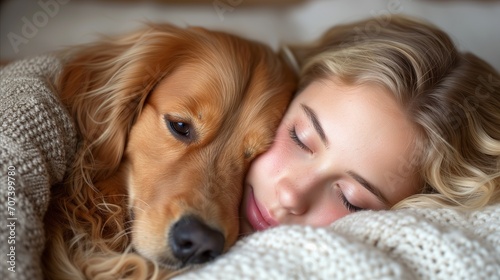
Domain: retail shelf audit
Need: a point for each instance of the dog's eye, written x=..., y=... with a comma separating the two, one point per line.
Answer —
x=180, y=128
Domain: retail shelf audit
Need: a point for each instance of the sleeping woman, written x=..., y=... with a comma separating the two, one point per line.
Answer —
x=391, y=117
x=394, y=117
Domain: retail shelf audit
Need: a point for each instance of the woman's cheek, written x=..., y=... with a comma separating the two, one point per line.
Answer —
x=273, y=159
x=267, y=165
x=282, y=149
x=324, y=216
x=272, y=165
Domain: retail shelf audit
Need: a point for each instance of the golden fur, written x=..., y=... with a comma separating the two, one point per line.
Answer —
x=169, y=121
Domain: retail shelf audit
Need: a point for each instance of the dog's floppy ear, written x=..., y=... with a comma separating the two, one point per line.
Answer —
x=104, y=86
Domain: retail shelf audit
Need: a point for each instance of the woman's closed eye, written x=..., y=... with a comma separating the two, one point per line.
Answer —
x=292, y=132
x=293, y=135
x=349, y=206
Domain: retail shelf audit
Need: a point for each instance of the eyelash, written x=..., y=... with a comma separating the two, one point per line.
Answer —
x=295, y=138
x=347, y=204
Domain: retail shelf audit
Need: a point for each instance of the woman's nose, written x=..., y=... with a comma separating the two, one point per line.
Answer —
x=294, y=197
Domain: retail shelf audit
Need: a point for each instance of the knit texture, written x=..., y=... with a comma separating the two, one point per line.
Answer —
x=405, y=244
x=37, y=143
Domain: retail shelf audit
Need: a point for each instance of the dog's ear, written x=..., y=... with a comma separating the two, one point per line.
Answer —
x=104, y=86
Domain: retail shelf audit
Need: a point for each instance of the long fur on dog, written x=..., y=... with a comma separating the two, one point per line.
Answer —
x=169, y=120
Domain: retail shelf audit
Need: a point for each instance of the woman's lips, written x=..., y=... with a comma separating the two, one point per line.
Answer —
x=257, y=215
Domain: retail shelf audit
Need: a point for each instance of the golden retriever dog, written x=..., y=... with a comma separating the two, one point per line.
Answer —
x=169, y=120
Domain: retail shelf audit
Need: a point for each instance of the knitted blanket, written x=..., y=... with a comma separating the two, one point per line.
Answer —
x=37, y=142
x=405, y=244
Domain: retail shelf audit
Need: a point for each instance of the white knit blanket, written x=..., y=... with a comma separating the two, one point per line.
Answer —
x=38, y=139
x=405, y=244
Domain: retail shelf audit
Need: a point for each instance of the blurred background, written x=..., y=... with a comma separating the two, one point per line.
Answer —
x=30, y=27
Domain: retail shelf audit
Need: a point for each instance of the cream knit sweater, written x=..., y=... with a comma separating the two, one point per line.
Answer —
x=37, y=142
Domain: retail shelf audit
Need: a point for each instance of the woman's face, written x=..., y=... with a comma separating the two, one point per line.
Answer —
x=339, y=149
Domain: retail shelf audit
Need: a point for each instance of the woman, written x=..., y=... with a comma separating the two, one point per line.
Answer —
x=389, y=115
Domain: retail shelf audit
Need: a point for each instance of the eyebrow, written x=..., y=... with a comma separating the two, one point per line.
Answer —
x=370, y=187
x=317, y=126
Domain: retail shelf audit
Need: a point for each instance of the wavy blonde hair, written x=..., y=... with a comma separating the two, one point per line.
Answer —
x=453, y=99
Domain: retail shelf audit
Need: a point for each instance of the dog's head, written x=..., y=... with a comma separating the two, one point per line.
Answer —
x=175, y=116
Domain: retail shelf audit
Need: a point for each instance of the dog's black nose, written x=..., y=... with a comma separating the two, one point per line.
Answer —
x=194, y=242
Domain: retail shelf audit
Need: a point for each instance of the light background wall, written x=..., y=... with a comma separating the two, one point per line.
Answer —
x=29, y=27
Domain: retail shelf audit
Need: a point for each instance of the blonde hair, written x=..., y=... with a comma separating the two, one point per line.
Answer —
x=452, y=98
